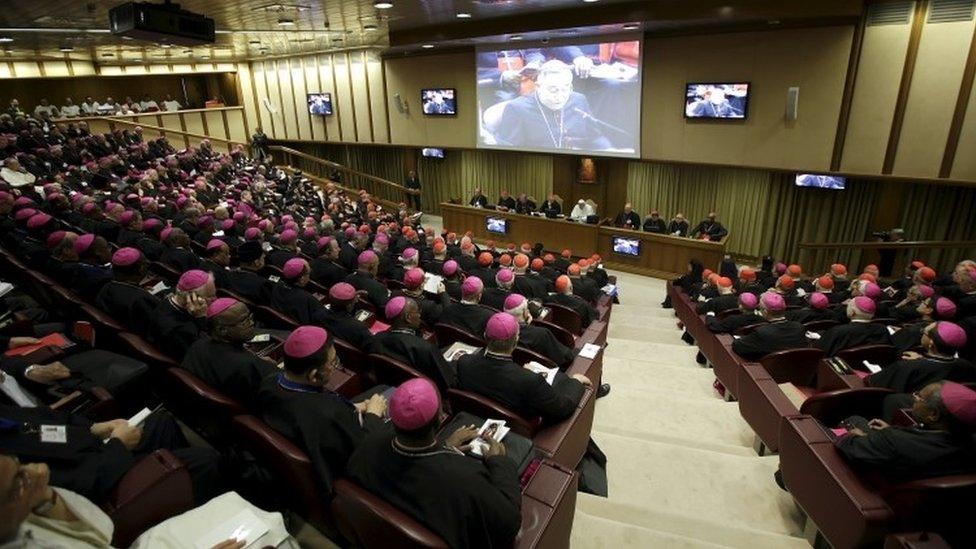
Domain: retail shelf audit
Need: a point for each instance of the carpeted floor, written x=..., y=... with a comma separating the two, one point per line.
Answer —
x=681, y=468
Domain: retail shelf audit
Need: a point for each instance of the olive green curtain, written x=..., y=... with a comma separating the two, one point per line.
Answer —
x=457, y=175
x=934, y=212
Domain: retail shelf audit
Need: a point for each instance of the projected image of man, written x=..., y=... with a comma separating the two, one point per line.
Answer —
x=553, y=116
x=820, y=181
x=713, y=102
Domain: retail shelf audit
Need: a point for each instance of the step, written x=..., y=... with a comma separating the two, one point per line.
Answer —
x=592, y=532
x=601, y=516
x=728, y=489
x=677, y=353
x=659, y=376
x=647, y=333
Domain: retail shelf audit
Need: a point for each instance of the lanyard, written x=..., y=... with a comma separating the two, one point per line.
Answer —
x=290, y=385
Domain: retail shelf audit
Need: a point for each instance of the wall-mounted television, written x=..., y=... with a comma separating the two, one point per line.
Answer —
x=439, y=101
x=496, y=225
x=320, y=103
x=626, y=246
x=723, y=100
x=431, y=152
x=821, y=181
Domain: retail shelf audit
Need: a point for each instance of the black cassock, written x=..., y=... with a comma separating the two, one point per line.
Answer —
x=495, y=298
x=297, y=303
x=249, y=285
x=344, y=325
x=131, y=305
x=774, y=336
x=326, y=272
x=807, y=314
x=541, y=340
x=586, y=311
x=908, y=376
x=228, y=368
x=470, y=317
x=586, y=288
x=173, y=330
x=910, y=336
x=851, y=335
x=732, y=323
x=466, y=501
x=180, y=259
x=376, y=292
x=321, y=422
x=349, y=257
x=718, y=304
x=405, y=345
x=902, y=453
x=531, y=286
x=524, y=392
x=430, y=309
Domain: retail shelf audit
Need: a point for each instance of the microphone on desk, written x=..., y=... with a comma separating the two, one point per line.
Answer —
x=589, y=116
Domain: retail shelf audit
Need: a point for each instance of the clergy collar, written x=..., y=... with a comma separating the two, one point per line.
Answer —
x=295, y=386
x=406, y=330
x=497, y=356
x=429, y=451
x=860, y=321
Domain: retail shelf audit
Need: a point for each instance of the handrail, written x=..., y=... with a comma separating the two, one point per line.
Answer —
x=909, y=245
x=95, y=118
x=330, y=164
x=322, y=181
x=162, y=130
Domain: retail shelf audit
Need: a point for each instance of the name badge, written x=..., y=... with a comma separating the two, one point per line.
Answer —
x=54, y=433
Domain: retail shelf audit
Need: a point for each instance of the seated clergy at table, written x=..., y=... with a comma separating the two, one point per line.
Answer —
x=297, y=403
x=478, y=200
x=364, y=279
x=724, y=301
x=290, y=297
x=430, y=308
x=524, y=204
x=778, y=335
x=467, y=501
x=941, y=443
x=940, y=341
x=627, y=219
x=340, y=318
x=527, y=283
x=817, y=309
x=537, y=338
x=96, y=456
x=495, y=297
x=244, y=279
x=505, y=201
x=583, y=285
x=564, y=296
x=404, y=342
x=123, y=298
x=654, y=224
x=678, y=226
x=709, y=229
x=286, y=248
x=216, y=260
x=859, y=331
x=909, y=336
x=468, y=315
x=551, y=207
x=493, y=374
x=221, y=360
x=747, y=316
x=581, y=211
x=179, y=320
x=452, y=279
x=906, y=310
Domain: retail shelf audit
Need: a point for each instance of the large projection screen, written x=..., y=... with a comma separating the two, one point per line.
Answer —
x=572, y=98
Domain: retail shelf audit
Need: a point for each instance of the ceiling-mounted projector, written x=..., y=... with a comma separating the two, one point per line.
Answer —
x=161, y=23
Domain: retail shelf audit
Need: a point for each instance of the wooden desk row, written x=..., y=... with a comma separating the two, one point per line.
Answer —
x=663, y=256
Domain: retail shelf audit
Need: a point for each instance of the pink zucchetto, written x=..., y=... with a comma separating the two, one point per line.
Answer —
x=55, y=238
x=214, y=244
x=366, y=258
x=865, y=304
x=83, y=242
x=819, y=301
x=925, y=291
x=414, y=404
x=126, y=218
x=239, y=216
x=38, y=220
x=288, y=236
x=252, y=233
x=413, y=278
x=151, y=224
x=409, y=253
x=220, y=305
x=193, y=280
x=513, y=302
x=945, y=308
x=960, y=401
x=25, y=214
x=505, y=276
x=305, y=341
x=395, y=306
x=871, y=290
x=772, y=301
x=951, y=334
x=472, y=286
x=164, y=234
x=342, y=291
x=125, y=257
x=501, y=326
x=382, y=239
x=294, y=268
x=227, y=224
x=749, y=301
x=449, y=268
x=322, y=242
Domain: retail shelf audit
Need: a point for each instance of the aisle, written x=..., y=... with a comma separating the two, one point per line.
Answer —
x=681, y=468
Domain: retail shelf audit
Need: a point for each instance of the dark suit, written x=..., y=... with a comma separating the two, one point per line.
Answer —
x=469, y=317
x=541, y=340
x=551, y=209
x=851, y=335
x=523, y=124
x=774, y=336
x=376, y=293
x=586, y=311
x=655, y=226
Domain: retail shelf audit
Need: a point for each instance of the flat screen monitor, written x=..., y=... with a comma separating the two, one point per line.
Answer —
x=430, y=152
x=580, y=97
x=439, y=101
x=320, y=103
x=496, y=225
x=725, y=100
x=821, y=181
x=626, y=246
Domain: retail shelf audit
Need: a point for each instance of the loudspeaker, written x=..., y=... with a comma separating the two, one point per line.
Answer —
x=792, y=99
x=401, y=105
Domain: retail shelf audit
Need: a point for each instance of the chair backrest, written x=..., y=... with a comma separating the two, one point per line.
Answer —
x=796, y=366
x=820, y=325
x=352, y=357
x=273, y=318
x=523, y=356
x=146, y=352
x=565, y=317
x=746, y=330
x=391, y=371
x=473, y=403
x=875, y=354
x=448, y=334
x=832, y=407
x=166, y=271
x=941, y=504
x=727, y=313
x=200, y=402
x=106, y=327
x=368, y=521
x=562, y=334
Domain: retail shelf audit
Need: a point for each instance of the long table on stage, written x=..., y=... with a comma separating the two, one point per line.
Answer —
x=662, y=256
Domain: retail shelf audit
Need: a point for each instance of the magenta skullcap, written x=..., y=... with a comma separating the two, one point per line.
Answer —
x=227, y=224
x=25, y=214
x=124, y=257
x=287, y=236
x=951, y=334
x=220, y=305
x=252, y=233
x=4, y=195
x=88, y=207
x=819, y=301
x=413, y=278
x=350, y=232
x=294, y=268
x=960, y=401
x=239, y=216
x=193, y=280
x=126, y=218
x=151, y=224
x=501, y=326
x=323, y=242
x=214, y=244
x=38, y=220
x=449, y=268
x=471, y=286
x=780, y=268
x=865, y=304
x=366, y=257
x=395, y=306
x=263, y=224
x=409, y=253
x=145, y=201
x=287, y=218
x=55, y=238
x=749, y=301
x=414, y=404
x=773, y=302
x=381, y=238
x=309, y=233
x=514, y=301
x=871, y=290
x=505, y=276
x=342, y=291
x=164, y=234
x=305, y=341
x=204, y=221
x=76, y=197
x=22, y=201
x=83, y=242
x=945, y=308
x=925, y=291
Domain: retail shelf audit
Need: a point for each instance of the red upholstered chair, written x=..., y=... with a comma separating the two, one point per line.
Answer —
x=137, y=347
x=796, y=366
x=881, y=355
x=369, y=521
x=563, y=335
x=915, y=540
x=272, y=318
x=523, y=356
x=448, y=334
x=208, y=409
x=156, y=488
x=832, y=407
x=352, y=357
x=566, y=318
x=473, y=403
x=390, y=371
x=171, y=274
x=107, y=329
x=291, y=468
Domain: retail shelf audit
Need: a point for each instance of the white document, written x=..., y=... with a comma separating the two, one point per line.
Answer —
x=244, y=526
x=494, y=428
x=159, y=287
x=589, y=351
x=140, y=417
x=218, y=234
x=260, y=338
x=801, y=292
x=813, y=335
x=16, y=393
x=710, y=313
x=432, y=282
x=5, y=288
x=873, y=368
x=457, y=350
x=609, y=289
x=892, y=330
x=548, y=373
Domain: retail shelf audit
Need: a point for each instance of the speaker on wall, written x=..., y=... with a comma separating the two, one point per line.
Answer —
x=792, y=99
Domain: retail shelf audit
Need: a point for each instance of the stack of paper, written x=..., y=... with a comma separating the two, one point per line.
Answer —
x=457, y=350
x=243, y=527
x=5, y=288
x=159, y=287
x=492, y=428
x=873, y=368
x=432, y=282
x=589, y=351
x=813, y=335
x=609, y=289
x=548, y=373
